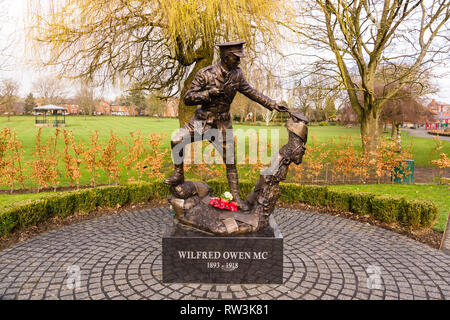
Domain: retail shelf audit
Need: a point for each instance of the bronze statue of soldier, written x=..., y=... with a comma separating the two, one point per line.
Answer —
x=191, y=200
x=214, y=89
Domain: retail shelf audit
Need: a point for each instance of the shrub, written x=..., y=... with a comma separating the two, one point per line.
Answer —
x=419, y=213
x=85, y=200
x=339, y=200
x=360, y=202
x=108, y=197
x=290, y=192
x=32, y=213
x=159, y=190
x=387, y=208
x=139, y=192
x=218, y=187
x=428, y=213
x=63, y=204
x=314, y=195
x=434, y=133
x=8, y=221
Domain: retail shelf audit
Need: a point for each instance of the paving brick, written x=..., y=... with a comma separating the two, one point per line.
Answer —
x=326, y=257
x=212, y=295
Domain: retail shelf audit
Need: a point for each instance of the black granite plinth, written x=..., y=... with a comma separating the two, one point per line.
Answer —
x=194, y=257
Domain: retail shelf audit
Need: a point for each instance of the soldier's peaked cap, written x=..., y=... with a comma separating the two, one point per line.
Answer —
x=235, y=47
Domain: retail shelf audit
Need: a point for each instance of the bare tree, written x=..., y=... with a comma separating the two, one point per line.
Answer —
x=367, y=37
x=315, y=97
x=242, y=107
x=159, y=44
x=49, y=90
x=263, y=79
x=404, y=107
x=8, y=95
x=85, y=98
x=8, y=40
x=272, y=87
x=346, y=115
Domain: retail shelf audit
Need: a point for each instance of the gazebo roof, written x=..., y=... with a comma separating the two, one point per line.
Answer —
x=49, y=107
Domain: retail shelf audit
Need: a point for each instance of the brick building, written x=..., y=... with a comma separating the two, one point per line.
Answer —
x=439, y=108
x=102, y=108
x=442, y=112
x=117, y=110
x=71, y=107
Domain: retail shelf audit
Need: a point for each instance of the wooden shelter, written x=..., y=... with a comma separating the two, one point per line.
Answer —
x=43, y=116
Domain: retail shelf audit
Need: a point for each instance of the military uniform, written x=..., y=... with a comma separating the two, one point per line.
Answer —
x=214, y=113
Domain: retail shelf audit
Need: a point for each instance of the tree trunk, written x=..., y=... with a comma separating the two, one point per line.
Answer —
x=397, y=134
x=370, y=136
x=394, y=130
x=398, y=137
x=185, y=112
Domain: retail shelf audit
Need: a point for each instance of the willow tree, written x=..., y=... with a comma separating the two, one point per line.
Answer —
x=367, y=37
x=159, y=44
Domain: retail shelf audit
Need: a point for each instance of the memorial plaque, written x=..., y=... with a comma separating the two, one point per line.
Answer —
x=194, y=257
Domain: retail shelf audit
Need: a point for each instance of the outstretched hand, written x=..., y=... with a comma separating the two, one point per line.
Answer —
x=281, y=108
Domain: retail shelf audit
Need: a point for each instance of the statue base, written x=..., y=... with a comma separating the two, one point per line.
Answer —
x=194, y=256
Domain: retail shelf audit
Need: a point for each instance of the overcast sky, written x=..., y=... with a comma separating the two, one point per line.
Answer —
x=12, y=36
x=18, y=62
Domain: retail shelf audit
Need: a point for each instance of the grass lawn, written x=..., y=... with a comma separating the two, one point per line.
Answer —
x=82, y=127
x=122, y=126
x=439, y=194
x=10, y=199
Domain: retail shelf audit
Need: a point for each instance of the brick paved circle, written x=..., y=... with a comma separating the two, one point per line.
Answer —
x=325, y=257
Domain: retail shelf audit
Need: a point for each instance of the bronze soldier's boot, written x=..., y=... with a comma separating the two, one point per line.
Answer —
x=233, y=182
x=177, y=176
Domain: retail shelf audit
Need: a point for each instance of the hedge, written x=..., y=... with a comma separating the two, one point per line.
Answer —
x=387, y=208
x=62, y=204
x=412, y=213
x=445, y=134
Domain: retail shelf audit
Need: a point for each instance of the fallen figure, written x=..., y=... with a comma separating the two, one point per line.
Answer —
x=191, y=200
